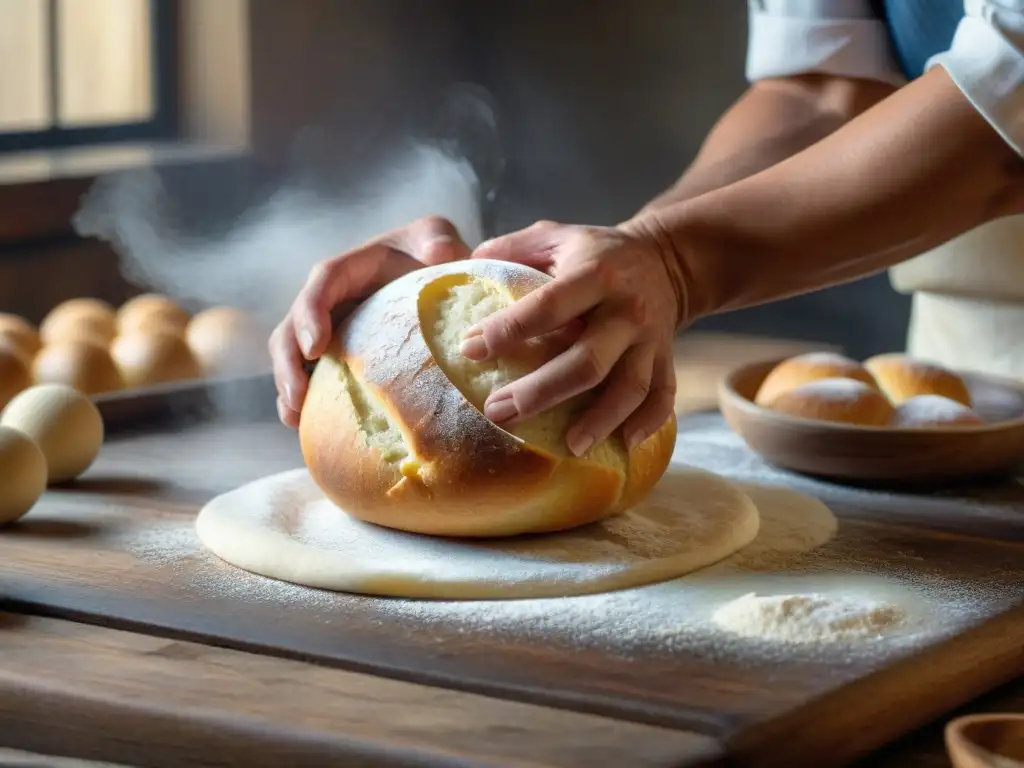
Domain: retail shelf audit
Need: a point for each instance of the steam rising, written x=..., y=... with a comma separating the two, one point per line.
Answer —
x=263, y=260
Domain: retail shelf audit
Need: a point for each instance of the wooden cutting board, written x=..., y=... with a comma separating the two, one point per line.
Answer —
x=119, y=549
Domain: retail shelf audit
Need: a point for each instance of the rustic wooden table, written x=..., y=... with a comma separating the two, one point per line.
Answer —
x=186, y=704
x=77, y=690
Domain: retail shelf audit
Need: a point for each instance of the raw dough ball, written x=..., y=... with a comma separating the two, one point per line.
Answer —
x=283, y=527
x=226, y=340
x=22, y=474
x=63, y=422
x=934, y=411
x=145, y=359
x=151, y=312
x=20, y=334
x=14, y=374
x=840, y=400
x=79, y=319
x=801, y=369
x=901, y=377
x=80, y=364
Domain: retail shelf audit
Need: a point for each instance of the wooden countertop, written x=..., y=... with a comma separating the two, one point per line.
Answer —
x=99, y=696
x=137, y=696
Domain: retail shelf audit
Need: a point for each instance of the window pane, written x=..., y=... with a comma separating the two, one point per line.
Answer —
x=24, y=101
x=105, y=65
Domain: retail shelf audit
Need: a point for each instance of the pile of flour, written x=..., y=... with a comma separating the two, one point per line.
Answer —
x=809, y=618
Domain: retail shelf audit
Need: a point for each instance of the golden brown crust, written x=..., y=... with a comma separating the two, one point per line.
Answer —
x=151, y=312
x=461, y=474
x=80, y=364
x=145, y=359
x=78, y=319
x=801, y=369
x=226, y=340
x=14, y=375
x=19, y=333
x=902, y=377
x=847, y=401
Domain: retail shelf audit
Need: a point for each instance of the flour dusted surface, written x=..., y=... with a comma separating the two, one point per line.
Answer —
x=808, y=618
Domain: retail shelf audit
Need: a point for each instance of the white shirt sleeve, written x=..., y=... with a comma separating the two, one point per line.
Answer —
x=986, y=61
x=833, y=37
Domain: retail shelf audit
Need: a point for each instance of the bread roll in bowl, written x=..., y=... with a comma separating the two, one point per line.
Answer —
x=846, y=401
x=934, y=411
x=901, y=377
x=393, y=432
x=811, y=366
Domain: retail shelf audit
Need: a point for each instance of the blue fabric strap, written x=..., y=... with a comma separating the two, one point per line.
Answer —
x=920, y=29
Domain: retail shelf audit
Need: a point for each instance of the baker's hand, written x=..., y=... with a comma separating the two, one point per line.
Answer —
x=628, y=293
x=304, y=332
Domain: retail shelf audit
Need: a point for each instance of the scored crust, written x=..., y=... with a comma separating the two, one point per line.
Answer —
x=391, y=439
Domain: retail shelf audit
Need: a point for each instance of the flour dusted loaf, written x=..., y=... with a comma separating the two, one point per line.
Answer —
x=902, y=377
x=890, y=390
x=839, y=400
x=812, y=366
x=393, y=432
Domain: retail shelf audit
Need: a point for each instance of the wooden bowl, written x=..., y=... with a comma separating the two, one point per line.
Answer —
x=881, y=454
x=986, y=741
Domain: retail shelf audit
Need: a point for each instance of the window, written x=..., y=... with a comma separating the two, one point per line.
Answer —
x=78, y=72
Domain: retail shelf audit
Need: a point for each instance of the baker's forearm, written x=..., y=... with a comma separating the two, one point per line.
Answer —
x=912, y=172
x=772, y=121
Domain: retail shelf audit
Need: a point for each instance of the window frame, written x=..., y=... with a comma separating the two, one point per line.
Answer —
x=164, y=123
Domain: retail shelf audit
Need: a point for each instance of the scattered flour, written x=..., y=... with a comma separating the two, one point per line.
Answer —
x=795, y=553
x=807, y=618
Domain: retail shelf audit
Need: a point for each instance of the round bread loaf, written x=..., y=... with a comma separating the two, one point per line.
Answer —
x=934, y=411
x=226, y=341
x=151, y=312
x=20, y=334
x=901, y=377
x=811, y=366
x=393, y=432
x=80, y=364
x=15, y=374
x=160, y=357
x=79, y=319
x=847, y=401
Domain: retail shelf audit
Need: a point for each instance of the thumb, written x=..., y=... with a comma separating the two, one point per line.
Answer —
x=533, y=246
x=432, y=240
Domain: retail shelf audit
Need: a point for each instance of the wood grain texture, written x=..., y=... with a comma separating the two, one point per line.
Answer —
x=16, y=758
x=986, y=741
x=119, y=549
x=147, y=701
x=925, y=748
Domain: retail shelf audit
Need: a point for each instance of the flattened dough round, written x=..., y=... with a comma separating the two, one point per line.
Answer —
x=283, y=527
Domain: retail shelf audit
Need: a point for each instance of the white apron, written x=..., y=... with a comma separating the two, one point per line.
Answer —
x=968, y=300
